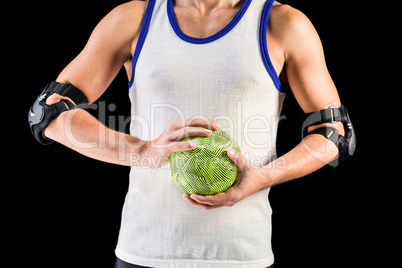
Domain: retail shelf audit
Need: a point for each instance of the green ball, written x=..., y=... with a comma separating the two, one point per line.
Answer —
x=207, y=169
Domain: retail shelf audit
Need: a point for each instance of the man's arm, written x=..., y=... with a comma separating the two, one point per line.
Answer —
x=92, y=71
x=297, y=42
x=110, y=47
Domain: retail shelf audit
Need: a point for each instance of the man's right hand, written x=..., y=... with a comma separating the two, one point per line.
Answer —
x=157, y=152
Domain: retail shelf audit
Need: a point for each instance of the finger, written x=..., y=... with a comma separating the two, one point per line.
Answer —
x=195, y=203
x=182, y=146
x=240, y=160
x=226, y=199
x=197, y=122
x=189, y=132
x=203, y=122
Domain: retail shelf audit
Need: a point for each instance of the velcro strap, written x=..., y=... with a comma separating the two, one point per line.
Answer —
x=332, y=135
x=329, y=115
x=328, y=132
x=75, y=94
x=68, y=90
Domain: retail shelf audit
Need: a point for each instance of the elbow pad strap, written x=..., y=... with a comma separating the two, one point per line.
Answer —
x=329, y=133
x=40, y=114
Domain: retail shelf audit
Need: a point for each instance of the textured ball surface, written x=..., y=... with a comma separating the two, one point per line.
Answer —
x=207, y=169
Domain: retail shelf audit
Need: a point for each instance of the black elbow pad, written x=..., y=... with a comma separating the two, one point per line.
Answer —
x=40, y=114
x=346, y=144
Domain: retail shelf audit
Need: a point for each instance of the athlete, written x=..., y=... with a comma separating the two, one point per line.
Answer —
x=195, y=66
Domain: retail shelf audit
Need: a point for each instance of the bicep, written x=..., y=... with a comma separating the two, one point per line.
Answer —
x=306, y=69
x=108, y=48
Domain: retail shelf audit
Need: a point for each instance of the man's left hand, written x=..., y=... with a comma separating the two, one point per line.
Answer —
x=250, y=179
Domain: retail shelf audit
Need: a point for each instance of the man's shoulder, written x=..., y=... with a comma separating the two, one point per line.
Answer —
x=293, y=30
x=134, y=9
x=124, y=21
x=285, y=19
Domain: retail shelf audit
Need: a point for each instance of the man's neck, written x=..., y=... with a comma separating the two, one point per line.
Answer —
x=208, y=5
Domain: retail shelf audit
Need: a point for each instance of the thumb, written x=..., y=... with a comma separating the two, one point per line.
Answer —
x=240, y=160
x=182, y=146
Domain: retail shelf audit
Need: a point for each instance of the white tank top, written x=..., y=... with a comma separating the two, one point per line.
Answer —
x=227, y=77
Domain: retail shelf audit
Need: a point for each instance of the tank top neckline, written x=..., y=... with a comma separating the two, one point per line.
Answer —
x=209, y=39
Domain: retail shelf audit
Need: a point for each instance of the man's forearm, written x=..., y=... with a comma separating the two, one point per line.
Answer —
x=311, y=154
x=82, y=132
x=308, y=156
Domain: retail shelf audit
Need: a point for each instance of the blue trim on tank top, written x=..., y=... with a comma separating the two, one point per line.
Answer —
x=264, y=47
x=172, y=18
x=194, y=40
x=141, y=38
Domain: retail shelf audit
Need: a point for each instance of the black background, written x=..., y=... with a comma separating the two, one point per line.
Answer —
x=65, y=208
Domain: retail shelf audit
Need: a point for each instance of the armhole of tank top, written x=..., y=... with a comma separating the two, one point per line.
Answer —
x=264, y=47
x=141, y=38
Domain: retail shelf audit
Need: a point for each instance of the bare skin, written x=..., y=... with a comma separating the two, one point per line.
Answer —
x=297, y=56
